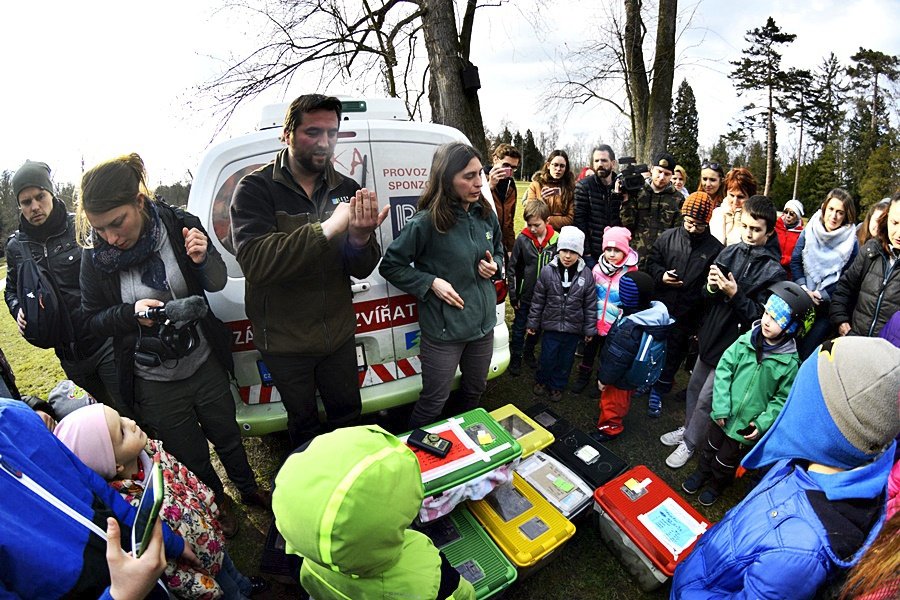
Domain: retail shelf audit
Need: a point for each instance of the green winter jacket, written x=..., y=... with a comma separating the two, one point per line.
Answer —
x=345, y=505
x=452, y=256
x=746, y=389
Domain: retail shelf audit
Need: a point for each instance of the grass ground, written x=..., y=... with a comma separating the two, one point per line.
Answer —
x=582, y=569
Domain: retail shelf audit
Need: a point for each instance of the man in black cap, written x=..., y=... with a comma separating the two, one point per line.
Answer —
x=655, y=209
x=47, y=232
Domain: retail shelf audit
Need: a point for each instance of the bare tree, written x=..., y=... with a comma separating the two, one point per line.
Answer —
x=371, y=40
x=613, y=65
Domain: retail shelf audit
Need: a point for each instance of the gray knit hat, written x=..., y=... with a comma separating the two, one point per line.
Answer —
x=32, y=174
x=860, y=381
x=571, y=238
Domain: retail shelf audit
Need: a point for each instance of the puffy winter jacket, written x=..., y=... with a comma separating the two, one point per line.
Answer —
x=749, y=389
x=624, y=341
x=596, y=208
x=360, y=489
x=608, y=310
x=868, y=293
x=528, y=258
x=690, y=257
x=755, y=268
x=452, y=256
x=553, y=310
x=771, y=545
x=62, y=256
x=43, y=552
x=787, y=239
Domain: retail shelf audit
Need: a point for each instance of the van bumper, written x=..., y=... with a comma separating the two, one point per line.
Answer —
x=262, y=419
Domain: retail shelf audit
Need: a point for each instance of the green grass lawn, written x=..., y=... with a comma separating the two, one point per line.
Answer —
x=582, y=569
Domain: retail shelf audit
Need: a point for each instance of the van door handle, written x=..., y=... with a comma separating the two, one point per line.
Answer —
x=362, y=286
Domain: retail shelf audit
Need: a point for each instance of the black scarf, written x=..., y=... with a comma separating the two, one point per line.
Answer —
x=110, y=259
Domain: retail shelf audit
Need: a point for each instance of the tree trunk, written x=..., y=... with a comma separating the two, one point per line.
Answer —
x=449, y=103
x=660, y=104
x=770, y=145
x=637, y=76
x=799, y=156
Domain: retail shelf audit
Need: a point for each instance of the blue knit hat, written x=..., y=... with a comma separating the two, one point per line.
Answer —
x=843, y=409
x=635, y=290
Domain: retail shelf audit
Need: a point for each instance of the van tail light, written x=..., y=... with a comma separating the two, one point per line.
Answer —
x=502, y=290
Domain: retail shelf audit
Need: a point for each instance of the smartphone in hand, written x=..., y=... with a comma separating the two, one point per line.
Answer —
x=148, y=510
x=723, y=269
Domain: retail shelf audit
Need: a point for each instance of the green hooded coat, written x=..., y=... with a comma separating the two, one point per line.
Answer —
x=345, y=505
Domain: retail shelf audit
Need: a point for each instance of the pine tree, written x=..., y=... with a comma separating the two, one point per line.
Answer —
x=828, y=95
x=880, y=179
x=684, y=129
x=872, y=65
x=532, y=160
x=760, y=71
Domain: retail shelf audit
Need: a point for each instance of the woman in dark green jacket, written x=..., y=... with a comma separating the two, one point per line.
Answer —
x=446, y=256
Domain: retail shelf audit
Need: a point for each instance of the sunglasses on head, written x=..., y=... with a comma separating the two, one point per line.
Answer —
x=713, y=165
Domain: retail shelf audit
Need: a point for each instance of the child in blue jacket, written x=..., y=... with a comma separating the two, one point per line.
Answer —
x=822, y=503
x=623, y=342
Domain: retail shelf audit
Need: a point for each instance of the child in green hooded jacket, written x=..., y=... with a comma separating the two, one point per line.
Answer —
x=345, y=505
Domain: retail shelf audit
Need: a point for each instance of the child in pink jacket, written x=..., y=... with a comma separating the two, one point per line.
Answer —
x=617, y=259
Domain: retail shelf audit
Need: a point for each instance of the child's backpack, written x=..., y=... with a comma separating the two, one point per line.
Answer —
x=47, y=319
x=648, y=364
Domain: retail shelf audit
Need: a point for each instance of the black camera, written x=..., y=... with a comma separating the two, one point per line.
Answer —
x=167, y=343
x=631, y=178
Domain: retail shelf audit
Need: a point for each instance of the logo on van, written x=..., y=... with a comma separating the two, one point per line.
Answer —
x=402, y=210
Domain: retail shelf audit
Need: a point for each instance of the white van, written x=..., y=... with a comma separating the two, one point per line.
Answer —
x=380, y=150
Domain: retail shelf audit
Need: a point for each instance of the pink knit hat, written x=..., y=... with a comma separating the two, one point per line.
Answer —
x=617, y=237
x=86, y=434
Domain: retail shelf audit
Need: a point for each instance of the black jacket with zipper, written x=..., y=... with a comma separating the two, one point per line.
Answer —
x=107, y=315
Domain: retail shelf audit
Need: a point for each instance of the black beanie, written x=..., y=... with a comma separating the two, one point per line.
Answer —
x=32, y=174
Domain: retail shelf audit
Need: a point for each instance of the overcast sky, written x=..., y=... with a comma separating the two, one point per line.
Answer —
x=100, y=78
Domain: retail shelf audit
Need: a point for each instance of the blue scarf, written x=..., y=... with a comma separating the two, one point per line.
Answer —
x=143, y=254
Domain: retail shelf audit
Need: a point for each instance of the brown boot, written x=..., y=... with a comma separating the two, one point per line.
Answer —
x=261, y=498
x=227, y=517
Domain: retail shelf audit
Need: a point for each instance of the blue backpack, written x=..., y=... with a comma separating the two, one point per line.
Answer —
x=648, y=364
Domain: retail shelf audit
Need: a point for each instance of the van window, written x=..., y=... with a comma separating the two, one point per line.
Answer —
x=221, y=208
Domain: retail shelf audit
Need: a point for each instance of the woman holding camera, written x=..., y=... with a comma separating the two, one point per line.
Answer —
x=141, y=254
x=555, y=185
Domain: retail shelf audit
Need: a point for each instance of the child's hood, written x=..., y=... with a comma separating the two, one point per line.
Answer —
x=657, y=316
x=346, y=501
x=789, y=347
x=550, y=237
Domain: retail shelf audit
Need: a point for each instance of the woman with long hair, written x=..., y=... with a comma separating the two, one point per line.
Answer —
x=712, y=180
x=868, y=229
x=446, y=256
x=555, y=185
x=142, y=254
x=868, y=293
x=824, y=250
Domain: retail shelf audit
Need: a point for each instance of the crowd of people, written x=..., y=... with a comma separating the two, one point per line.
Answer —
x=788, y=328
